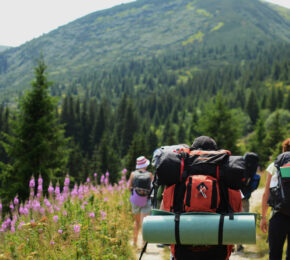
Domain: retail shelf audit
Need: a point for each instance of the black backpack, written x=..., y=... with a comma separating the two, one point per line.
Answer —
x=279, y=198
x=142, y=182
x=251, y=164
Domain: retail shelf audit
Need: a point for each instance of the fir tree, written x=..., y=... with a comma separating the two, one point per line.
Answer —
x=37, y=145
x=252, y=107
x=218, y=122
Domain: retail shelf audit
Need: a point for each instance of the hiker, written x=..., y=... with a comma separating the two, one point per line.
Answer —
x=140, y=185
x=279, y=223
x=252, y=183
x=217, y=252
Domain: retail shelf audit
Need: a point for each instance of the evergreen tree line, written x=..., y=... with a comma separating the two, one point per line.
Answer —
x=96, y=130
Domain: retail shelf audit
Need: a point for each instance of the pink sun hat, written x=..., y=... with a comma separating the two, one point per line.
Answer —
x=142, y=162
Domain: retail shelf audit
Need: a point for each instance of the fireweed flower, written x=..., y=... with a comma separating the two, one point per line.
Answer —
x=66, y=180
x=57, y=190
x=40, y=180
x=32, y=183
x=102, y=179
x=88, y=180
x=55, y=218
x=92, y=215
x=16, y=201
x=11, y=206
x=106, y=199
x=20, y=225
x=50, y=188
x=77, y=228
x=103, y=214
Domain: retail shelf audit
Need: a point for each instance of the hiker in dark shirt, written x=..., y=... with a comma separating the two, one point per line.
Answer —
x=279, y=223
x=140, y=185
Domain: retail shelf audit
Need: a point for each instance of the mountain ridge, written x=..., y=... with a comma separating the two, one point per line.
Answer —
x=139, y=30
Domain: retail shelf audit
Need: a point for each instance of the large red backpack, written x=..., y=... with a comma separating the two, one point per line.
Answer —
x=199, y=181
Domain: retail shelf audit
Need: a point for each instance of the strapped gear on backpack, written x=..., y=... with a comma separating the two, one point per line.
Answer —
x=199, y=181
x=142, y=182
x=279, y=198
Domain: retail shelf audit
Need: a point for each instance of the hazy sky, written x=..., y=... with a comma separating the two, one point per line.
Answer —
x=23, y=20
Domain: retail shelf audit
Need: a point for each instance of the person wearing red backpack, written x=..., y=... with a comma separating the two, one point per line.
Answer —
x=140, y=185
x=279, y=223
x=187, y=252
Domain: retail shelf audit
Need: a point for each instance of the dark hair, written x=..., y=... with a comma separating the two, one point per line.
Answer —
x=204, y=143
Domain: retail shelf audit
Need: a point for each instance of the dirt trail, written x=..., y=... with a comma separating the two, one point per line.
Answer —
x=155, y=253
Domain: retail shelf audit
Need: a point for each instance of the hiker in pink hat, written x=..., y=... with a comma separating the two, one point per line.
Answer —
x=140, y=183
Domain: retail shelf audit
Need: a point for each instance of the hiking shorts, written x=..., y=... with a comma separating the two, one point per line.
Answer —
x=144, y=210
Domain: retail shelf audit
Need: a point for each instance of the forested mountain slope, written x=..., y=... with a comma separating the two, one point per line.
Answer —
x=143, y=29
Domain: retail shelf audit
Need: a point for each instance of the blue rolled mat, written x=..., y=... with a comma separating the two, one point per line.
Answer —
x=200, y=228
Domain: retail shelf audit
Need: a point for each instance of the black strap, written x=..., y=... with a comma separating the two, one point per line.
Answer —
x=177, y=234
x=214, y=196
x=188, y=192
x=143, y=250
x=221, y=229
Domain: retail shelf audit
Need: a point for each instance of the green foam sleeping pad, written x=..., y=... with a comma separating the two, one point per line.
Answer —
x=199, y=228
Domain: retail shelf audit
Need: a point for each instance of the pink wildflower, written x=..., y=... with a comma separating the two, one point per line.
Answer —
x=124, y=171
x=40, y=180
x=11, y=206
x=50, y=188
x=88, y=180
x=20, y=225
x=60, y=231
x=52, y=242
x=77, y=228
x=66, y=180
x=103, y=214
x=102, y=179
x=92, y=215
x=106, y=199
x=16, y=201
x=32, y=182
x=55, y=218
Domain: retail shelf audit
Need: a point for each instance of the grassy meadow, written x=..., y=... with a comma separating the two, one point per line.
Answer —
x=91, y=221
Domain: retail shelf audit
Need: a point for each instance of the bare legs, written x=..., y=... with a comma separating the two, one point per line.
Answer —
x=138, y=223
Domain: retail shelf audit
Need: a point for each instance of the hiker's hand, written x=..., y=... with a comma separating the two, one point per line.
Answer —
x=264, y=225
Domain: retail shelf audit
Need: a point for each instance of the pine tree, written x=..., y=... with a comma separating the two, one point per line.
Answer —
x=275, y=134
x=257, y=143
x=37, y=145
x=252, y=107
x=218, y=122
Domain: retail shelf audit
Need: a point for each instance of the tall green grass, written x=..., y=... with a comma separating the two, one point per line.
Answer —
x=92, y=221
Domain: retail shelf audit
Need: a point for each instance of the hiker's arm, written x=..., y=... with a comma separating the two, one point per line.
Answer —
x=263, y=224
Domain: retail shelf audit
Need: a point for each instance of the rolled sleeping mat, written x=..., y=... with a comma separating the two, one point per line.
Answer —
x=200, y=229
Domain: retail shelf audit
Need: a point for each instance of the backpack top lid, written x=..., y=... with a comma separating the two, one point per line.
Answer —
x=282, y=159
x=163, y=150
